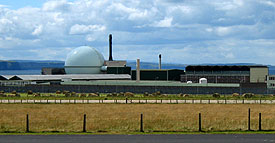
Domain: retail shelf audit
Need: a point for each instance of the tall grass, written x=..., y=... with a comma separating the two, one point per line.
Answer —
x=126, y=117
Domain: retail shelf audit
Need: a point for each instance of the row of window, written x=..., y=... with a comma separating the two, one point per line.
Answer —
x=272, y=78
x=272, y=84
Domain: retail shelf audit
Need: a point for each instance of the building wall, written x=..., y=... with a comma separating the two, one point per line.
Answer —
x=119, y=70
x=115, y=63
x=256, y=88
x=271, y=81
x=172, y=75
x=258, y=74
x=216, y=78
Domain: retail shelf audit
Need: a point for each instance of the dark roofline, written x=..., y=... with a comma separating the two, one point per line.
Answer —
x=3, y=78
x=222, y=67
x=228, y=66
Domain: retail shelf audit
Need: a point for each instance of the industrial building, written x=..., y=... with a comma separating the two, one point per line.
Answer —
x=271, y=82
x=158, y=74
x=86, y=70
x=226, y=74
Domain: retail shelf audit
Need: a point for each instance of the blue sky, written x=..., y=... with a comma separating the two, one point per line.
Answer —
x=183, y=31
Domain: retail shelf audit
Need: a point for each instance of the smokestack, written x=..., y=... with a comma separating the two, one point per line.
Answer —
x=110, y=48
x=138, y=71
x=159, y=61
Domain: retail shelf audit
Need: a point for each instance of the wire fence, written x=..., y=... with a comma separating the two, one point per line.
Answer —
x=137, y=101
x=153, y=122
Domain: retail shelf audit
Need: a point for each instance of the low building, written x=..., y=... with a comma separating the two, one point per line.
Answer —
x=158, y=74
x=226, y=74
x=271, y=81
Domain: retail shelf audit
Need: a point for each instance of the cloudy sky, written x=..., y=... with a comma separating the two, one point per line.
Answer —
x=183, y=31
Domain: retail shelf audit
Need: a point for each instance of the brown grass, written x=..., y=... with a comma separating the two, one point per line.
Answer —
x=126, y=117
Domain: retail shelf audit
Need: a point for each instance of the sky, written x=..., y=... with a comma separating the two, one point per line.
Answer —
x=183, y=31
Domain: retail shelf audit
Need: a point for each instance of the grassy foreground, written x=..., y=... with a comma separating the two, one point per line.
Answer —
x=125, y=118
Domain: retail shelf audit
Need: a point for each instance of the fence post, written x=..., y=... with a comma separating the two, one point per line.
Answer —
x=126, y=100
x=141, y=123
x=200, y=122
x=260, y=101
x=248, y=119
x=260, y=121
x=27, y=123
x=84, y=123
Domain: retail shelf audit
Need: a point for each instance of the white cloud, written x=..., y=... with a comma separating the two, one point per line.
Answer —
x=56, y=5
x=184, y=31
x=83, y=29
x=166, y=22
x=3, y=6
x=90, y=38
x=267, y=2
x=38, y=30
x=222, y=31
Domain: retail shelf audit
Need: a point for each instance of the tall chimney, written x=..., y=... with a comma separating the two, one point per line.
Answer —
x=138, y=71
x=159, y=61
x=110, y=48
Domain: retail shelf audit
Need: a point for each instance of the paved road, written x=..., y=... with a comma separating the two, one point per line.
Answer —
x=246, y=138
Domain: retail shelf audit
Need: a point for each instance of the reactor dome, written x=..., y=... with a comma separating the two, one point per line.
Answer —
x=84, y=60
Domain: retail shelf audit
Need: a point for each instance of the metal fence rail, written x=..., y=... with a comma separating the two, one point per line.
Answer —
x=135, y=101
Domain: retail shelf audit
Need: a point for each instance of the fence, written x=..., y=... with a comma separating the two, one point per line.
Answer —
x=136, y=101
x=138, y=89
x=142, y=123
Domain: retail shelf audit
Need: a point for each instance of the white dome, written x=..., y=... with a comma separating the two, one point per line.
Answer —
x=84, y=60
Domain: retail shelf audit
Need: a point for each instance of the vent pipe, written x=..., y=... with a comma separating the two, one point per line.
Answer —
x=138, y=71
x=110, y=48
x=159, y=61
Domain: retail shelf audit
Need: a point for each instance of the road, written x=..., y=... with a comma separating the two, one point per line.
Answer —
x=197, y=138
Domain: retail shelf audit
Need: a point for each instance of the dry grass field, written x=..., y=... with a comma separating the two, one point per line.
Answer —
x=117, y=118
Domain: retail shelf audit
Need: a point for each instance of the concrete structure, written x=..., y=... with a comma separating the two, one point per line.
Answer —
x=271, y=82
x=159, y=61
x=115, y=63
x=57, y=79
x=202, y=81
x=258, y=74
x=110, y=48
x=158, y=74
x=138, y=71
x=84, y=60
x=226, y=74
x=53, y=71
